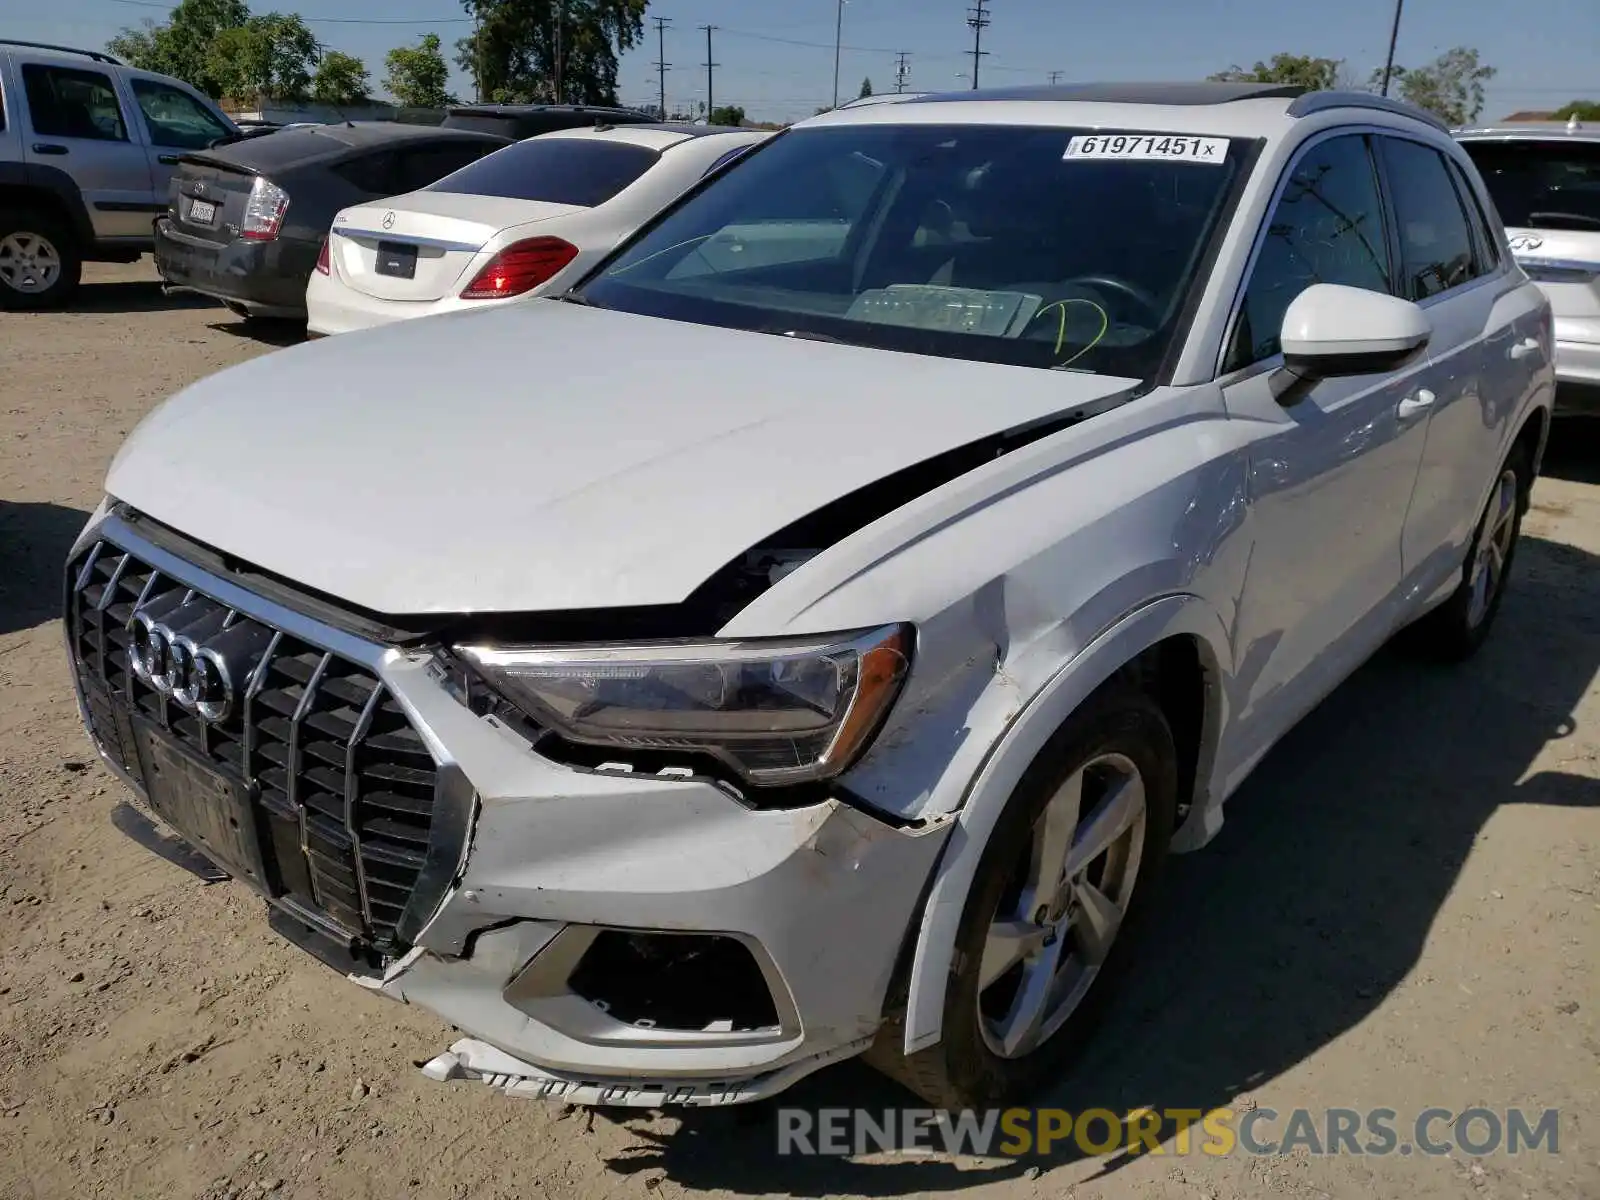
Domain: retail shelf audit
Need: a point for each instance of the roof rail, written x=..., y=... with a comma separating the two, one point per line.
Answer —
x=1315, y=102
x=97, y=55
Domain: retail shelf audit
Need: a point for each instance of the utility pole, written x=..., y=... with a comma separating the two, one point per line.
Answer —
x=561, y=29
x=838, y=45
x=1055, y=77
x=902, y=71
x=711, y=103
x=662, y=65
x=1394, y=37
x=477, y=46
x=979, y=21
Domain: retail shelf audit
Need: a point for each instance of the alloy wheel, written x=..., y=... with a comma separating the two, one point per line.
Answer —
x=1061, y=914
x=29, y=262
x=1493, y=548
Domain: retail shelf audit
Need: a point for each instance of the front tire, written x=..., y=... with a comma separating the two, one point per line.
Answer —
x=1063, y=890
x=40, y=263
x=1454, y=631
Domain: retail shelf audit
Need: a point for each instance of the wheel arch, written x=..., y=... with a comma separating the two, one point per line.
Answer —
x=1175, y=647
x=50, y=190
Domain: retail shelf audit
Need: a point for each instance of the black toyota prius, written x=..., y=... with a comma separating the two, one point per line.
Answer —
x=247, y=220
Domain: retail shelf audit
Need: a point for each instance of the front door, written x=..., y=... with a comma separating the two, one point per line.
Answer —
x=176, y=122
x=1332, y=467
x=76, y=124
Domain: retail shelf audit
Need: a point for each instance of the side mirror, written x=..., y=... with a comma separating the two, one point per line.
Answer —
x=1332, y=330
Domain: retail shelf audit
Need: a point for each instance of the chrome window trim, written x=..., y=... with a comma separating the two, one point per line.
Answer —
x=1259, y=241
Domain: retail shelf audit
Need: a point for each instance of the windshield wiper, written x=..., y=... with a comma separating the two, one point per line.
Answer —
x=575, y=298
x=810, y=335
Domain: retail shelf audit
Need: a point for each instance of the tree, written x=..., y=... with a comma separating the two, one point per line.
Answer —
x=1584, y=110
x=182, y=47
x=1450, y=87
x=729, y=114
x=866, y=88
x=514, y=54
x=1316, y=74
x=418, y=74
x=269, y=57
x=341, y=79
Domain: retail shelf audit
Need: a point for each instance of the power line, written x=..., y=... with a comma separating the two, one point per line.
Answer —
x=662, y=65
x=711, y=102
x=979, y=21
x=902, y=71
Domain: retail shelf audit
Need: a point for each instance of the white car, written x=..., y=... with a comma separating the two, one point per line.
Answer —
x=811, y=634
x=525, y=220
x=1545, y=182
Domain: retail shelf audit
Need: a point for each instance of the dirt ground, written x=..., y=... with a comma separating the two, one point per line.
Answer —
x=1403, y=911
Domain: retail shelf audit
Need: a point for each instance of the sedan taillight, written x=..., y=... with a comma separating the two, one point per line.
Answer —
x=323, y=266
x=263, y=211
x=520, y=268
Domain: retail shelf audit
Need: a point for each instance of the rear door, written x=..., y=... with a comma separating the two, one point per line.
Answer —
x=176, y=121
x=76, y=123
x=1475, y=375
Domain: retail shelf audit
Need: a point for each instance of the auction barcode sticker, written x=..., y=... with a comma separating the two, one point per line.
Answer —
x=1149, y=147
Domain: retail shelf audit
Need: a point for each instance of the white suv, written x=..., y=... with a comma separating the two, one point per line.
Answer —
x=812, y=633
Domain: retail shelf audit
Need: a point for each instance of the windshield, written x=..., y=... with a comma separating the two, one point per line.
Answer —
x=1050, y=248
x=1542, y=184
x=562, y=170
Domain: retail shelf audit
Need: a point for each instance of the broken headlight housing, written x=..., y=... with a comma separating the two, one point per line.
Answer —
x=774, y=711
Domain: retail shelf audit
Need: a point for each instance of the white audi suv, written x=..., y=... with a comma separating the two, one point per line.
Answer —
x=810, y=634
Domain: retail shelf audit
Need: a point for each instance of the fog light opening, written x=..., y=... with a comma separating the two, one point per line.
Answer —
x=698, y=983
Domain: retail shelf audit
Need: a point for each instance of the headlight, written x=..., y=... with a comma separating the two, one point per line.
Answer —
x=775, y=711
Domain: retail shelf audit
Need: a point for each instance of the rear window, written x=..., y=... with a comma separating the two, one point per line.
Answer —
x=1542, y=184
x=561, y=170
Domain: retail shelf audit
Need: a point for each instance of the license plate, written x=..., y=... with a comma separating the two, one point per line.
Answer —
x=202, y=212
x=397, y=259
x=208, y=810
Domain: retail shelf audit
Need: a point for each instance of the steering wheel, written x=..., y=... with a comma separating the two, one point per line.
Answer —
x=1130, y=291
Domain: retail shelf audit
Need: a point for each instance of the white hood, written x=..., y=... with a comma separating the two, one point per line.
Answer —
x=544, y=456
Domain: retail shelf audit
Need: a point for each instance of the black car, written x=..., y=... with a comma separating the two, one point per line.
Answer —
x=247, y=221
x=518, y=121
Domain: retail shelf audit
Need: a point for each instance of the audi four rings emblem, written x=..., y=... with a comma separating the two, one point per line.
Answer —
x=188, y=652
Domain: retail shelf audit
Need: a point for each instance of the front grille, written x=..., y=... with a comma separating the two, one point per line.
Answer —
x=343, y=789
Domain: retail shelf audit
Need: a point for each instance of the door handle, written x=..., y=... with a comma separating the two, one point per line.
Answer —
x=1415, y=406
x=1525, y=347
x=48, y=148
x=167, y=160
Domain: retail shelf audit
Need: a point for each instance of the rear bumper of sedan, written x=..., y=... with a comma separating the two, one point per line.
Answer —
x=1577, y=368
x=332, y=307
x=265, y=278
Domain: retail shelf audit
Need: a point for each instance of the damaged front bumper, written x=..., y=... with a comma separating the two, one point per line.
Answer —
x=603, y=937
x=654, y=934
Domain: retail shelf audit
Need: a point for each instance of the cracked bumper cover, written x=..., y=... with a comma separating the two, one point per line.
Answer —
x=822, y=895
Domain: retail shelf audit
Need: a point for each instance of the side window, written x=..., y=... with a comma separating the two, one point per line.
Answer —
x=175, y=118
x=1482, y=227
x=1436, y=252
x=374, y=174
x=422, y=165
x=72, y=103
x=1327, y=227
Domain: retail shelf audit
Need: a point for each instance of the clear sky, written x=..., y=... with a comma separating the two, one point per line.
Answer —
x=777, y=57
